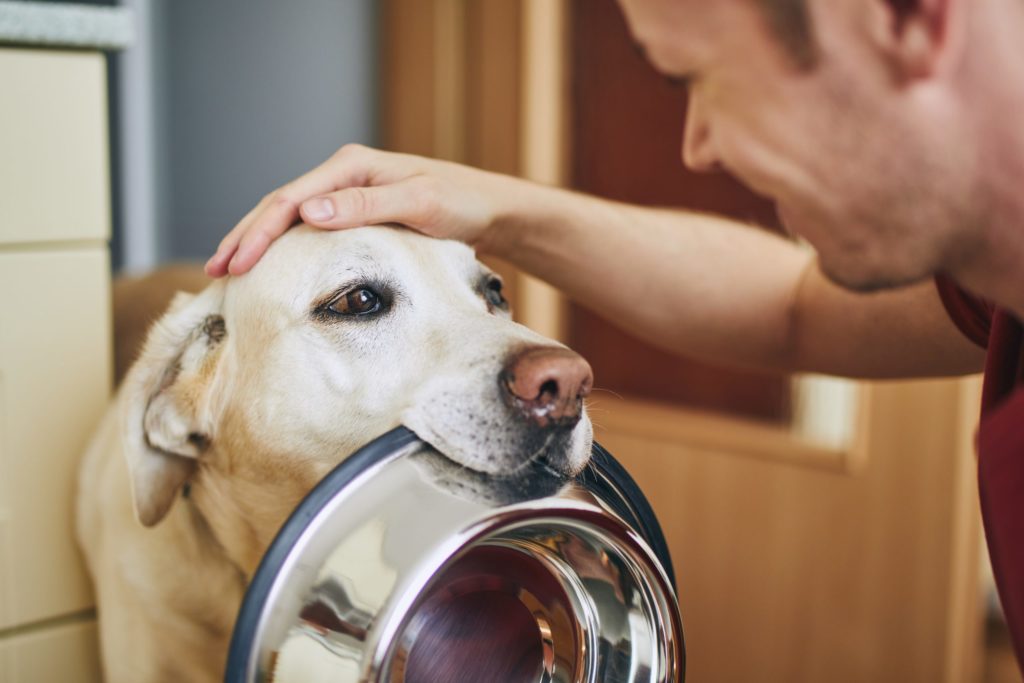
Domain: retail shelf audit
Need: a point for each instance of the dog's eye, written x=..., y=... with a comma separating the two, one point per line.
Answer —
x=494, y=296
x=358, y=301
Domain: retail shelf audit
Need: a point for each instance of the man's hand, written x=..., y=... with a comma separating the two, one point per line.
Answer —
x=363, y=186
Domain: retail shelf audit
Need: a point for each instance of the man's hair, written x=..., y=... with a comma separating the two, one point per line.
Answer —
x=791, y=21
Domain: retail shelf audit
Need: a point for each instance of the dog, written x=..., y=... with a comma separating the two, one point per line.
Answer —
x=246, y=394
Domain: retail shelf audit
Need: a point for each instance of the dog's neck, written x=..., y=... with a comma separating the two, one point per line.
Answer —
x=188, y=597
x=206, y=540
x=203, y=554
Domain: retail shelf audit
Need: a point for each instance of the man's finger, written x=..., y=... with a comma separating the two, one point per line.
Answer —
x=408, y=202
x=279, y=215
x=250, y=249
x=217, y=266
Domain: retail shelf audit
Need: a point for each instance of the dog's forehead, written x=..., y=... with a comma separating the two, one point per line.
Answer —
x=305, y=262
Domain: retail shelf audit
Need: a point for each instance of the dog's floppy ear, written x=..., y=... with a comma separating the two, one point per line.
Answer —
x=168, y=413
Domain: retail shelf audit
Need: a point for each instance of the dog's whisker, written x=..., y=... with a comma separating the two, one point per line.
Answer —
x=608, y=391
x=536, y=454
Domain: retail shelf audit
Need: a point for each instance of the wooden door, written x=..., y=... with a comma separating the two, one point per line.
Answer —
x=796, y=561
x=625, y=140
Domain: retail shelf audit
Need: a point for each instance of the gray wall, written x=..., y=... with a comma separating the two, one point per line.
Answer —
x=248, y=94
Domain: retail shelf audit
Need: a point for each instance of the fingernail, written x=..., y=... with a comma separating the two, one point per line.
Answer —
x=318, y=209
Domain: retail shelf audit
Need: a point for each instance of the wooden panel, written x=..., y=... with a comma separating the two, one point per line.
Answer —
x=450, y=86
x=543, y=143
x=492, y=74
x=627, y=129
x=65, y=653
x=53, y=146
x=797, y=575
x=407, y=83
x=718, y=433
x=450, y=80
x=55, y=374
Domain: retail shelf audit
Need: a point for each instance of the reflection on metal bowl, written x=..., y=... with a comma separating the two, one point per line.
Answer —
x=477, y=624
x=403, y=568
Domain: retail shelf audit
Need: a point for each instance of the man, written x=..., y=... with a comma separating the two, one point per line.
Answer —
x=887, y=133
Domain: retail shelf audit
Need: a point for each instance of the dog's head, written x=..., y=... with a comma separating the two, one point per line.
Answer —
x=253, y=389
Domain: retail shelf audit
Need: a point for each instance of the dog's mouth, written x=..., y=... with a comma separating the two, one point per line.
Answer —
x=548, y=452
x=540, y=466
x=533, y=480
x=495, y=439
x=547, y=460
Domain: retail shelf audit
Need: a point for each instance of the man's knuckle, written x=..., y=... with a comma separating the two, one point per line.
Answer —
x=350, y=150
x=283, y=199
x=360, y=201
x=427, y=200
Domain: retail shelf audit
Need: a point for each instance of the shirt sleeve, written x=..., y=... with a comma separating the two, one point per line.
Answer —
x=971, y=314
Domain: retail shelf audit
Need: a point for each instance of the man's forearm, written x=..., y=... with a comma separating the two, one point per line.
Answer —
x=692, y=283
x=724, y=291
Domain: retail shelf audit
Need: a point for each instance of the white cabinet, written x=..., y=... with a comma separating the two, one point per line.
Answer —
x=54, y=375
x=54, y=182
x=55, y=350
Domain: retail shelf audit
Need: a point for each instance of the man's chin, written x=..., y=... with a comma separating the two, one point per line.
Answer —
x=851, y=260
x=854, y=276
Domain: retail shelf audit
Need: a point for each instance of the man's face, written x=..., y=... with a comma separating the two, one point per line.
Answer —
x=859, y=164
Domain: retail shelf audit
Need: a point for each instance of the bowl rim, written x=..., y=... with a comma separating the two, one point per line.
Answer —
x=604, y=476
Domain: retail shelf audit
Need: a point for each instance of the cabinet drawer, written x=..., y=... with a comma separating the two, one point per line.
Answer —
x=65, y=653
x=55, y=371
x=54, y=176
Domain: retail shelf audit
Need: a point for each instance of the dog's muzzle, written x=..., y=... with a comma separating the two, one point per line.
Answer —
x=402, y=568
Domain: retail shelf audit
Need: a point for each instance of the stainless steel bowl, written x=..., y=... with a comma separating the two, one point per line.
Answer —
x=401, y=567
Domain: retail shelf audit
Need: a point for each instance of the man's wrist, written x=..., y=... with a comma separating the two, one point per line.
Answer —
x=509, y=197
x=524, y=208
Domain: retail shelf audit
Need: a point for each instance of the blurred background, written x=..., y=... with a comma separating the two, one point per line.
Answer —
x=821, y=529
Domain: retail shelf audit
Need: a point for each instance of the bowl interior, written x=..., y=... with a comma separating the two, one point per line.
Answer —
x=552, y=600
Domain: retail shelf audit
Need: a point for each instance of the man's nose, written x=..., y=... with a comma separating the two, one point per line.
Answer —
x=547, y=385
x=699, y=152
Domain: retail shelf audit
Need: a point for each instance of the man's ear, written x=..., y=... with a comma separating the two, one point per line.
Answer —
x=167, y=407
x=914, y=35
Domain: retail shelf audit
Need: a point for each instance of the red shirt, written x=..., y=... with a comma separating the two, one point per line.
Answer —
x=1000, y=444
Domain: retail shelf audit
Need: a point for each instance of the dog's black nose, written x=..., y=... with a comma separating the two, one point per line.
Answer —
x=547, y=385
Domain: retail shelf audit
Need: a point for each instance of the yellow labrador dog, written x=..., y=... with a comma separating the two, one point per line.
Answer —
x=248, y=392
